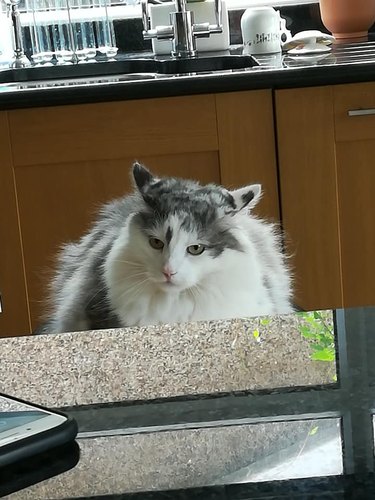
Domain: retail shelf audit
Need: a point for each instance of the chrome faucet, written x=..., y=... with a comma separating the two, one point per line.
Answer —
x=182, y=30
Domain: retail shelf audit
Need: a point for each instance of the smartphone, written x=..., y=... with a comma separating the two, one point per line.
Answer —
x=27, y=429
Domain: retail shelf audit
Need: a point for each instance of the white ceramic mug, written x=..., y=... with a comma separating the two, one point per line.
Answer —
x=262, y=30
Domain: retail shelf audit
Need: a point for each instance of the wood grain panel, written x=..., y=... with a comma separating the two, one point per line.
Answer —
x=247, y=144
x=57, y=204
x=356, y=181
x=113, y=130
x=308, y=187
x=14, y=318
x=352, y=97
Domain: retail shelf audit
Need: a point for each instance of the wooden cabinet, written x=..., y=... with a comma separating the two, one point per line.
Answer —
x=14, y=310
x=327, y=178
x=60, y=163
x=355, y=156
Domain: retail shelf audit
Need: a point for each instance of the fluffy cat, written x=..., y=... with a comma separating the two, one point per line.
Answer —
x=173, y=251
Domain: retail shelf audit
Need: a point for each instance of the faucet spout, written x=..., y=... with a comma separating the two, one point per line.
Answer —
x=183, y=43
x=180, y=5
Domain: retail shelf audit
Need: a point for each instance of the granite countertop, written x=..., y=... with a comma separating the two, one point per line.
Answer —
x=132, y=391
x=345, y=64
x=162, y=361
x=166, y=410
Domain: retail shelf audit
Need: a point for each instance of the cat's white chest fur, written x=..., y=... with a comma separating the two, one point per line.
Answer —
x=235, y=284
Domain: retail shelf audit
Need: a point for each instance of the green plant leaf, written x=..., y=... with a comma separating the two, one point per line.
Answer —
x=256, y=334
x=265, y=321
x=306, y=332
x=325, y=354
x=310, y=319
x=314, y=430
x=317, y=347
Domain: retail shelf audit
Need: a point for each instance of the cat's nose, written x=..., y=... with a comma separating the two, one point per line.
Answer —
x=168, y=273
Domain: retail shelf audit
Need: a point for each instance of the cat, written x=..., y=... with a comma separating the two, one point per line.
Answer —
x=172, y=251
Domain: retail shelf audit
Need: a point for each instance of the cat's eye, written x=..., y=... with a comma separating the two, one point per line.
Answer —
x=195, y=249
x=155, y=243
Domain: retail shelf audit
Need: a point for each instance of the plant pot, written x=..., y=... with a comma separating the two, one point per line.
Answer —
x=348, y=18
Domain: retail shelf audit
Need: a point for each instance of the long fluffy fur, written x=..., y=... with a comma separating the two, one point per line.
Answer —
x=112, y=277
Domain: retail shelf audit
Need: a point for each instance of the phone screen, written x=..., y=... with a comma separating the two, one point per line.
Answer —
x=19, y=420
x=10, y=420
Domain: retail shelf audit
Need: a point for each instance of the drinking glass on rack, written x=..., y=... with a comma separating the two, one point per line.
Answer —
x=62, y=33
x=40, y=29
x=105, y=33
x=81, y=15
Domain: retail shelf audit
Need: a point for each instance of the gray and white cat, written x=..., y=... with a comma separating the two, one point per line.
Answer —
x=173, y=251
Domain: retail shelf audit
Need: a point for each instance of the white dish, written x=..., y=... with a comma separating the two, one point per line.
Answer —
x=310, y=48
x=308, y=41
x=308, y=58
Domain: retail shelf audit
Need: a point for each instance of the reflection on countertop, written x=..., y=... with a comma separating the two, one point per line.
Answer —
x=192, y=458
x=346, y=63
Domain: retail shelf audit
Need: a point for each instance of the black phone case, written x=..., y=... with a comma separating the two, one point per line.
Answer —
x=39, y=443
x=26, y=472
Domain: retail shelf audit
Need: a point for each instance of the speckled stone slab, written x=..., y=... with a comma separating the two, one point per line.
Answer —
x=160, y=361
x=176, y=459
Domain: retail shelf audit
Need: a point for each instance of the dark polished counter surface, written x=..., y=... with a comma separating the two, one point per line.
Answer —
x=347, y=63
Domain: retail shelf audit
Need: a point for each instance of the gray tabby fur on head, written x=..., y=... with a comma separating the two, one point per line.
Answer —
x=173, y=251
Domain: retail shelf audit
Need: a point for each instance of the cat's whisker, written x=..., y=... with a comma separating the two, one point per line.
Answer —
x=132, y=290
x=133, y=275
x=134, y=296
x=127, y=277
x=194, y=292
x=95, y=295
x=129, y=262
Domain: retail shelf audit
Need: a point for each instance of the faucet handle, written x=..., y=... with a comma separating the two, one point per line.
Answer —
x=204, y=30
x=160, y=32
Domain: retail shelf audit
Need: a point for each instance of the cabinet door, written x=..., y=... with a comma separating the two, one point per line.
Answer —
x=69, y=160
x=355, y=149
x=247, y=145
x=308, y=194
x=14, y=310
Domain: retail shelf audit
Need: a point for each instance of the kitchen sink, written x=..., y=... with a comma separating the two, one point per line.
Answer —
x=129, y=65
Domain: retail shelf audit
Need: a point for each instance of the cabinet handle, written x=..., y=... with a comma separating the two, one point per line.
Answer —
x=361, y=112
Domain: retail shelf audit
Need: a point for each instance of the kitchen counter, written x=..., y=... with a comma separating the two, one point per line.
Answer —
x=345, y=64
x=156, y=362
x=193, y=411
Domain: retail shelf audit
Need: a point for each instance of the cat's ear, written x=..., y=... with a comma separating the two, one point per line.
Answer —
x=141, y=175
x=247, y=196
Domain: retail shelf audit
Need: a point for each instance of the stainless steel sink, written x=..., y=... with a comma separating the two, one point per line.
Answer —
x=129, y=65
